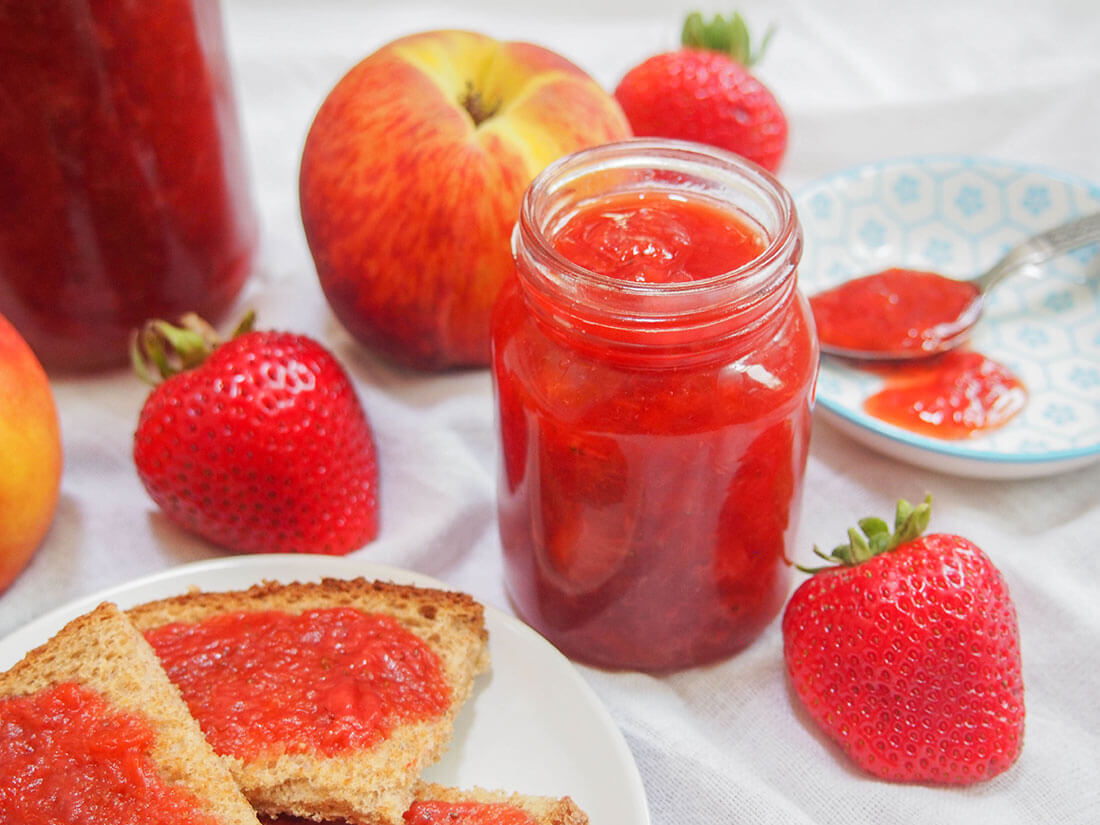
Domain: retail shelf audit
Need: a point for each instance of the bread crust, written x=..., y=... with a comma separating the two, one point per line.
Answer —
x=369, y=787
x=545, y=810
x=102, y=651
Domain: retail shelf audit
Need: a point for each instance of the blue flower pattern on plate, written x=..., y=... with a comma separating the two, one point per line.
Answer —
x=873, y=234
x=1059, y=414
x=1059, y=301
x=1036, y=200
x=906, y=189
x=1033, y=337
x=822, y=206
x=939, y=251
x=960, y=215
x=970, y=201
x=1086, y=378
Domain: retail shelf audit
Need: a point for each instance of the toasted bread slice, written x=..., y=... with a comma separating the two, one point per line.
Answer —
x=542, y=810
x=103, y=652
x=372, y=786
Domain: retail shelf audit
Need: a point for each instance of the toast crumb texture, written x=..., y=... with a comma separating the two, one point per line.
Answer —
x=545, y=810
x=102, y=651
x=371, y=787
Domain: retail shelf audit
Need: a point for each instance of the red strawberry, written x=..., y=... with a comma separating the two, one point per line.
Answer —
x=259, y=444
x=907, y=654
x=704, y=92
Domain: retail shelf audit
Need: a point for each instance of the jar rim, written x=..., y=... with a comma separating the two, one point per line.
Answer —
x=747, y=279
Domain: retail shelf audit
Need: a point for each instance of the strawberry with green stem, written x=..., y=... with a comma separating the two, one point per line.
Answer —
x=257, y=443
x=905, y=650
x=704, y=92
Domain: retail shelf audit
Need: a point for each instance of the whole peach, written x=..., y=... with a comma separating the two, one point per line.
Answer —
x=411, y=178
x=30, y=454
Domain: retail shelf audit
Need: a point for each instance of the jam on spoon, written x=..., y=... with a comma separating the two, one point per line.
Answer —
x=903, y=314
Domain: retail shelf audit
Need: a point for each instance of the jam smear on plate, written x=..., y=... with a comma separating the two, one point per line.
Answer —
x=952, y=396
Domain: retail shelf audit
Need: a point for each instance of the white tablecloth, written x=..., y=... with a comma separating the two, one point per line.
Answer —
x=861, y=80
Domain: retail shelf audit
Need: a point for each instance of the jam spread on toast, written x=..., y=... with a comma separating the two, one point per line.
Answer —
x=67, y=755
x=324, y=681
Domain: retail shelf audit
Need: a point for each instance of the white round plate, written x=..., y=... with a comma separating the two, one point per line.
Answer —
x=533, y=724
x=957, y=216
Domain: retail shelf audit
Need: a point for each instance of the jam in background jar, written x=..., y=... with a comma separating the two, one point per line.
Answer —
x=653, y=365
x=123, y=188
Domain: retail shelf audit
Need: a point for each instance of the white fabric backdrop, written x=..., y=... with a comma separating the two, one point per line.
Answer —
x=861, y=80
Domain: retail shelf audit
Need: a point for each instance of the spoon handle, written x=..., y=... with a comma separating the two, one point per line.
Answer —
x=1043, y=247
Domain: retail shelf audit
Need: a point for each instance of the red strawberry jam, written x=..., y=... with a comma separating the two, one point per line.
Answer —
x=433, y=812
x=952, y=396
x=123, y=188
x=894, y=311
x=655, y=238
x=653, y=366
x=325, y=681
x=66, y=755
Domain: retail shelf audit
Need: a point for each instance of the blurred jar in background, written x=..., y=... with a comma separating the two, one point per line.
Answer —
x=124, y=193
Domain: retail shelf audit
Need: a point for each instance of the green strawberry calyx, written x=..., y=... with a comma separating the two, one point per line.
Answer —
x=159, y=350
x=876, y=538
x=728, y=36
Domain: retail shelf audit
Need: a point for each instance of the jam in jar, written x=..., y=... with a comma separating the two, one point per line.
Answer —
x=653, y=369
x=123, y=189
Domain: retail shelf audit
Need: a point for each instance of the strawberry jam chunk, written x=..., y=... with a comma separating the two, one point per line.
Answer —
x=67, y=756
x=433, y=812
x=325, y=681
x=654, y=238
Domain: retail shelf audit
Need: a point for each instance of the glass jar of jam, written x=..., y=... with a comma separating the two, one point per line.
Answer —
x=653, y=368
x=123, y=187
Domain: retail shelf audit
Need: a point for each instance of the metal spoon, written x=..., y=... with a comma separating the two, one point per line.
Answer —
x=951, y=333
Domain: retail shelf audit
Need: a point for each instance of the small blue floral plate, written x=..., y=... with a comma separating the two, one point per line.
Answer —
x=956, y=216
